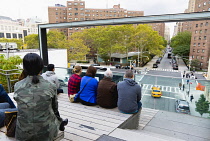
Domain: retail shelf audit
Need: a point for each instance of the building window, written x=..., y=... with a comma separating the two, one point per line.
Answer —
x=70, y=33
x=209, y=9
x=192, y=56
x=69, y=3
x=204, y=44
x=75, y=3
x=197, y=57
x=70, y=8
x=199, y=44
x=193, y=50
x=1, y=35
x=201, y=25
x=56, y=13
x=70, y=18
x=194, y=44
x=199, y=5
x=64, y=18
x=77, y=28
x=196, y=31
x=204, y=37
x=204, y=3
x=196, y=25
x=200, y=31
x=203, y=50
x=198, y=51
x=205, y=30
x=75, y=14
x=20, y=36
x=201, y=64
x=8, y=35
x=56, y=9
x=70, y=28
x=82, y=14
x=195, y=38
x=81, y=3
x=82, y=19
x=75, y=8
x=206, y=24
x=82, y=28
x=199, y=37
x=75, y=19
x=81, y=8
x=70, y=14
x=202, y=57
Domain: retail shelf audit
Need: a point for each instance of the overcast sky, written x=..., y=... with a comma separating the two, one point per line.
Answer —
x=31, y=8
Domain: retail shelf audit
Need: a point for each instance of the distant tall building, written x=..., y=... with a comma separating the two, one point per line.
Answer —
x=76, y=11
x=200, y=41
x=159, y=27
x=167, y=34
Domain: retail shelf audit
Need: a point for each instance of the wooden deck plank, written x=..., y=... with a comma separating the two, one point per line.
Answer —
x=89, y=119
x=97, y=115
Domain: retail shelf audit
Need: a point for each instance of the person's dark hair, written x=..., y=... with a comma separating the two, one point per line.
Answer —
x=129, y=74
x=32, y=65
x=22, y=75
x=50, y=67
x=91, y=71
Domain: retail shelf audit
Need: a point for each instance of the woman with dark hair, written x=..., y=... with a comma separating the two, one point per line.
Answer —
x=38, y=117
x=88, y=87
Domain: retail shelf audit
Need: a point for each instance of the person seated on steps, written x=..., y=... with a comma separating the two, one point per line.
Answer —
x=107, y=91
x=51, y=77
x=38, y=117
x=6, y=104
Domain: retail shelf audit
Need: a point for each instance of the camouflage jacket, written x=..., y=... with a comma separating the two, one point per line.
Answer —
x=37, y=105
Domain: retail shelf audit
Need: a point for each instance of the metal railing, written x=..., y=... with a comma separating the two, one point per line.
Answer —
x=9, y=79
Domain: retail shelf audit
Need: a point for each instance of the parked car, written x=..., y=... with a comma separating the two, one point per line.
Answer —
x=175, y=67
x=95, y=64
x=182, y=106
x=155, y=65
x=118, y=66
x=126, y=67
x=156, y=92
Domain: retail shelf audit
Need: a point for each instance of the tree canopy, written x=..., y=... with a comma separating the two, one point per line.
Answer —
x=202, y=106
x=181, y=43
x=32, y=41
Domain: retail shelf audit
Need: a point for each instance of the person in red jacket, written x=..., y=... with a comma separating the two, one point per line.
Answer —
x=74, y=81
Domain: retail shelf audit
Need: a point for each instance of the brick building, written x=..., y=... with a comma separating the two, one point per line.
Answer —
x=76, y=11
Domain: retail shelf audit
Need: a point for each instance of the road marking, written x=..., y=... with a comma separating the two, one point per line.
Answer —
x=163, y=88
x=161, y=96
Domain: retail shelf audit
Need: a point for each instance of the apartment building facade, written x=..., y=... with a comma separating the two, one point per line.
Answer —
x=200, y=41
x=76, y=11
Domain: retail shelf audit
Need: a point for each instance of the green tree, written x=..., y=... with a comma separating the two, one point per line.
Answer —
x=181, y=43
x=202, y=106
x=19, y=42
x=56, y=39
x=76, y=49
x=195, y=64
x=32, y=41
x=9, y=64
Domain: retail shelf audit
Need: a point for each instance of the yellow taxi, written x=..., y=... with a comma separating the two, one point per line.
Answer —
x=156, y=92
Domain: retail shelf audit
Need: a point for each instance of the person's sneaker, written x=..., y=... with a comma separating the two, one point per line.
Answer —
x=63, y=123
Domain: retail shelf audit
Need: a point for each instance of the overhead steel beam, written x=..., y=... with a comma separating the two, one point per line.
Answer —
x=134, y=20
x=119, y=21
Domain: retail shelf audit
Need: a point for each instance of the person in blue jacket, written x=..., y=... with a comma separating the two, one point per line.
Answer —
x=88, y=87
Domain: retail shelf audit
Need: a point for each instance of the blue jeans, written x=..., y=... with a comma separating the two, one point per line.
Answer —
x=5, y=98
x=3, y=108
x=139, y=107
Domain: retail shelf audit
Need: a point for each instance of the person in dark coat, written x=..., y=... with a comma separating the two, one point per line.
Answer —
x=191, y=98
x=107, y=91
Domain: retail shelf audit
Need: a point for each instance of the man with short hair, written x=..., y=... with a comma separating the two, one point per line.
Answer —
x=51, y=77
x=129, y=94
x=107, y=91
